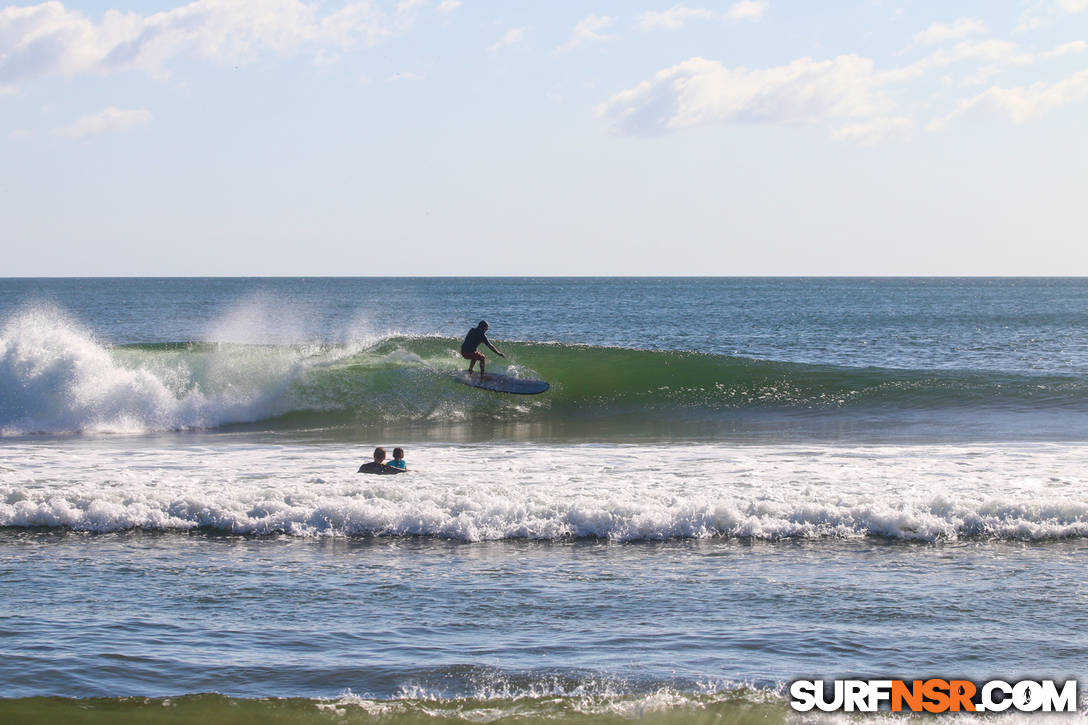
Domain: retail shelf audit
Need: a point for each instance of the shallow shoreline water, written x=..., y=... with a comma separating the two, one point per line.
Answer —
x=412, y=617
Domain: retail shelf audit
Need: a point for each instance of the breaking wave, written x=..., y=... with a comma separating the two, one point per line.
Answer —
x=55, y=377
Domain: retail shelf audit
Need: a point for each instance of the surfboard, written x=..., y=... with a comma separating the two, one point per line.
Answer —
x=501, y=383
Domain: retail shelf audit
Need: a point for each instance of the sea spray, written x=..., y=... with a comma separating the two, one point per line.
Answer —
x=55, y=377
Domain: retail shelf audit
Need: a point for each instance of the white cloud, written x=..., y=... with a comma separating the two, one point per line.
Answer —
x=944, y=32
x=1042, y=13
x=513, y=36
x=845, y=93
x=1077, y=46
x=875, y=130
x=699, y=91
x=980, y=77
x=672, y=19
x=405, y=75
x=1035, y=16
x=678, y=15
x=994, y=52
x=48, y=38
x=448, y=6
x=1026, y=103
x=111, y=120
x=586, y=32
x=747, y=10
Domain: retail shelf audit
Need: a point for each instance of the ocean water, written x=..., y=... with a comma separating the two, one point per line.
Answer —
x=733, y=483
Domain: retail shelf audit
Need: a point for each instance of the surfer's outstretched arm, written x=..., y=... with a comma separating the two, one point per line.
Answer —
x=492, y=347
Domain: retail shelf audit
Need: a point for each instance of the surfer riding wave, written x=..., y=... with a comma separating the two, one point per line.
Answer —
x=472, y=341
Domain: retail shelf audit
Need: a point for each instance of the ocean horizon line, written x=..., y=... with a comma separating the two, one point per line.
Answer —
x=557, y=277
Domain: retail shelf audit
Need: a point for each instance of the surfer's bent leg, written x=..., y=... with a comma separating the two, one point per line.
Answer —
x=472, y=357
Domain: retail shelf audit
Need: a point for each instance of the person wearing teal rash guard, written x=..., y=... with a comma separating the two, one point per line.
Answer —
x=398, y=459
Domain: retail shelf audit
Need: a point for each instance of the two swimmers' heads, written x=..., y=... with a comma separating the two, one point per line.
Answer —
x=379, y=454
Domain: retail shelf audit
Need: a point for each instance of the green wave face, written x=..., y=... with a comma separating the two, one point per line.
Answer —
x=405, y=383
x=409, y=378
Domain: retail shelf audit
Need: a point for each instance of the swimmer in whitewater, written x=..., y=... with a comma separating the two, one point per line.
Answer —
x=378, y=465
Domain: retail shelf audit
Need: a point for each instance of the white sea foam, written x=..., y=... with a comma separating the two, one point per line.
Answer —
x=622, y=493
x=555, y=698
x=56, y=378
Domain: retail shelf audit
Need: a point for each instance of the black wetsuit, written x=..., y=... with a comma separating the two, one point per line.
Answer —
x=379, y=468
x=473, y=339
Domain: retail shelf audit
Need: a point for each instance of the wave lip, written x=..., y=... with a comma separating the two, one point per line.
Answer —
x=56, y=378
x=53, y=377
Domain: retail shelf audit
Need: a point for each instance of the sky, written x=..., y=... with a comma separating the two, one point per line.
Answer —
x=462, y=137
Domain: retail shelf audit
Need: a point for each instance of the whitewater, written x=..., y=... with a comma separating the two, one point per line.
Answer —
x=1026, y=492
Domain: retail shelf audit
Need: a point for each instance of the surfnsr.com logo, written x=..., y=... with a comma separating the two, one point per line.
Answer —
x=934, y=695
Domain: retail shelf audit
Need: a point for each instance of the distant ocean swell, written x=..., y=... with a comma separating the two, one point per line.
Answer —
x=56, y=378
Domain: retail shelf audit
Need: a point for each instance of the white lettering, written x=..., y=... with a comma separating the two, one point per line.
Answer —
x=1060, y=701
x=836, y=701
x=988, y=701
x=879, y=690
x=803, y=694
x=1027, y=696
x=855, y=696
